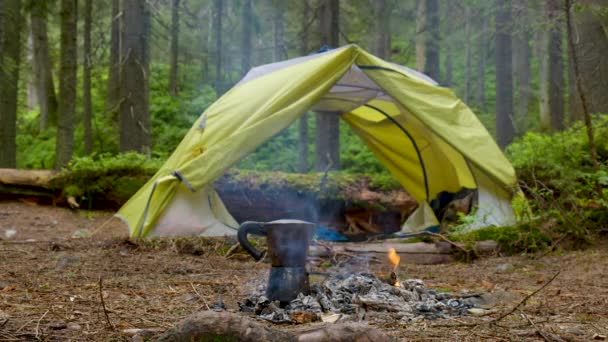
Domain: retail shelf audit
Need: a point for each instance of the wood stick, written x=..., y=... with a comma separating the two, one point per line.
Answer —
x=507, y=313
x=103, y=303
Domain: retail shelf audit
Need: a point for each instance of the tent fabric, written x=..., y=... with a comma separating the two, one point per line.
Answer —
x=425, y=136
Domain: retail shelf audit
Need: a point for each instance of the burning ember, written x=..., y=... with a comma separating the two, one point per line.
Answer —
x=358, y=297
x=394, y=258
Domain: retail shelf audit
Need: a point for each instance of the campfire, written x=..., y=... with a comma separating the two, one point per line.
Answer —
x=394, y=258
x=359, y=296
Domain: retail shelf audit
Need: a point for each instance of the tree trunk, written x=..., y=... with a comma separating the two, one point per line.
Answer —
x=64, y=145
x=327, y=140
x=247, y=18
x=217, y=51
x=32, y=94
x=278, y=29
x=467, y=55
x=431, y=67
x=449, y=27
x=541, y=49
x=134, y=112
x=86, y=82
x=382, y=34
x=421, y=35
x=303, y=122
x=173, y=89
x=10, y=51
x=482, y=52
x=42, y=66
x=521, y=59
x=591, y=48
x=555, y=67
x=504, y=70
x=581, y=91
x=113, y=88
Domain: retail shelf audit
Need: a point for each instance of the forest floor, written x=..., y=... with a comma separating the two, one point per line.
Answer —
x=52, y=263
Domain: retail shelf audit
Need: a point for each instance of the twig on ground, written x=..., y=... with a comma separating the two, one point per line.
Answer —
x=103, y=303
x=199, y=296
x=523, y=301
x=40, y=319
x=507, y=313
x=232, y=250
x=538, y=331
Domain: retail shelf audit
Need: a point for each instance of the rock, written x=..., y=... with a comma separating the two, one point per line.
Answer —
x=81, y=233
x=4, y=317
x=191, y=297
x=74, y=326
x=574, y=331
x=598, y=337
x=137, y=338
x=330, y=318
x=9, y=233
x=57, y=325
x=478, y=312
x=503, y=268
x=66, y=261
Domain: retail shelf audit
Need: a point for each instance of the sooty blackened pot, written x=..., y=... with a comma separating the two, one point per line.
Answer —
x=288, y=242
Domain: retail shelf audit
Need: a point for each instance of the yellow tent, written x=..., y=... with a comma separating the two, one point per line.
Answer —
x=422, y=133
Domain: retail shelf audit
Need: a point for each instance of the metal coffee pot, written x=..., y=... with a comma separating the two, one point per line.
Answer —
x=288, y=242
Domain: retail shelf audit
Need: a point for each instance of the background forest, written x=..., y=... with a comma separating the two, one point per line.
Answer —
x=97, y=78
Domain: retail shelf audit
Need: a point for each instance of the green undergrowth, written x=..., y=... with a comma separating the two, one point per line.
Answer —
x=525, y=237
x=565, y=191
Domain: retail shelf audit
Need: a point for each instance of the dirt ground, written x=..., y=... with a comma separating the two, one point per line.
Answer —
x=52, y=260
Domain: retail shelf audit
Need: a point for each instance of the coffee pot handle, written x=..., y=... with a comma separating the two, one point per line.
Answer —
x=255, y=228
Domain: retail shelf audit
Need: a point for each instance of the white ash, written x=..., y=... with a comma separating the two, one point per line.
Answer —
x=356, y=294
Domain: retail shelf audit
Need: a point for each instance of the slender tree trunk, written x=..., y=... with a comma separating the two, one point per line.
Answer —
x=86, y=82
x=555, y=67
x=467, y=55
x=449, y=27
x=590, y=40
x=504, y=70
x=247, y=18
x=328, y=124
x=113, y=88
x=541, y=50
x=421, y=35
x=521, y=59
x=279, y=52
x=482, y=52
x=217, y=34
x=432, y=44
x=581, y=93
x=173, y=89
x=32, y=95
x=10, y=58
x=303, y=122
x=64, y=145
x=134, y=112
x=42, y=66
x=382, y=30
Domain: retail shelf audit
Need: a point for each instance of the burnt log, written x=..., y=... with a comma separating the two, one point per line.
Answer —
x=226, y=326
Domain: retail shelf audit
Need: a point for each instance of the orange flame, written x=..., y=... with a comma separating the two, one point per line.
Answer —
x=394, y=258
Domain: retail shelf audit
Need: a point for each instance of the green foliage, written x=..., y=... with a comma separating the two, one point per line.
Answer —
x=557, y=174
x=106, y=177
x=525, y=237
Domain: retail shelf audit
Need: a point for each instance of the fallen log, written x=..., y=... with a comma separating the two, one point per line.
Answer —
x=31, y=178
x=421, y=253
x=226, y=326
